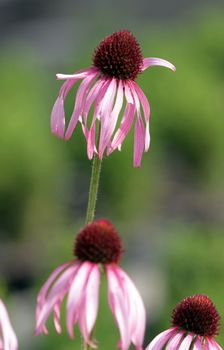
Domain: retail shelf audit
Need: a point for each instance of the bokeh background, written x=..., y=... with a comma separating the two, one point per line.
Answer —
x=169, y=212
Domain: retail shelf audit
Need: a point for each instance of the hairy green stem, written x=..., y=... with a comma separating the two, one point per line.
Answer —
x=93, y=189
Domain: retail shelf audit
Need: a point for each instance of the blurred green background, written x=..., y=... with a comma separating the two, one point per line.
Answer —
x=169, y=212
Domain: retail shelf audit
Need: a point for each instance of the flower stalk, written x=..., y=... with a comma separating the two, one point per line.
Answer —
x=93, y=189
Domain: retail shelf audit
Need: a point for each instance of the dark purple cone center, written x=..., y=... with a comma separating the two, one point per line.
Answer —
x=119, y=55
x=98, y=242
x=197, y=314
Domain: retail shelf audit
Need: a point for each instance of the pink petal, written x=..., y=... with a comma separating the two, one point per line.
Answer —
x=118, y=306
x=115, y=114
x=9, y=340
x=76, y=295
x=212, y=344
x=56, y=294
x=198, y=344
x=174, y=342
x=58, y=114
x=137, y=313
x=186, y=342
x=45, y=288
x=144, y=101
x=124, y=128
x=91, y=142
x=91, y=97
x=78, y=75
x=128, y=93
x=91, y=147
x=160, y=340
x=89, y=308
x=154, y=61
x=106, y=111
x=57, y=315
x=146, y=110
x=139, y=142
x=79, y=103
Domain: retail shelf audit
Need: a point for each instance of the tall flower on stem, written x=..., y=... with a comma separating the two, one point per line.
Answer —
x=8, y=340
x=195, y=323
x=107, y=86
x=97, y=245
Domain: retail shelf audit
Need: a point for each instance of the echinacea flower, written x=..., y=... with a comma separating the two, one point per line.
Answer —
x=107, y=86
x=8, y=340
x=195, y=323
x=97, y=245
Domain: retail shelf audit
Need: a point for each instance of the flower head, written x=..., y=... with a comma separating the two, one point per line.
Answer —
x=8, y=340
x=107, y=86
x=98, y=244
x=195, y=323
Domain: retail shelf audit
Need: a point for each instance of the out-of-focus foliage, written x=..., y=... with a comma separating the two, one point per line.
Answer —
x=177, y=193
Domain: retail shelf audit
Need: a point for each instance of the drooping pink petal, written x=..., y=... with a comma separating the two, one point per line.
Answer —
x=154, y=61
x=55, y=295
x=106, y=116
x=92, y=95
x=76, y=294
x=45, y=288
x=186, y=342
x=91, y=147
x=136, y=309
x=139, y=135
x=79, y=103
x=161, y=339
x=146, y=111
x=91, y=141
x=139, y=142
x=118, y=306
x=124, y=128
x=174, y=342
x=89, y=307
x=58, y=113
x=8, y=339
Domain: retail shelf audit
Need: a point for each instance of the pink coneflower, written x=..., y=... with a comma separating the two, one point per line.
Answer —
x=107, y=86
x=195, y=322
x=8, y=340
x=97, y=245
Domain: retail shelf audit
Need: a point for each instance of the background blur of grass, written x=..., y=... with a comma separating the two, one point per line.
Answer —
x=169, y=212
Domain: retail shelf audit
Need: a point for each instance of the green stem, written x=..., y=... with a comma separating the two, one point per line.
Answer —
x=93, y=189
